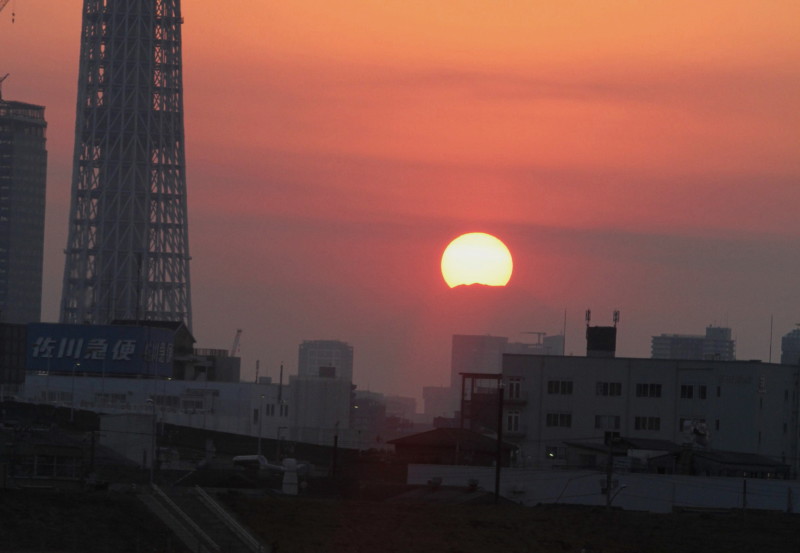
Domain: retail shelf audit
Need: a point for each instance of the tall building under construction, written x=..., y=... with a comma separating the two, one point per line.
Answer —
x=23, y=178
x=127, y=254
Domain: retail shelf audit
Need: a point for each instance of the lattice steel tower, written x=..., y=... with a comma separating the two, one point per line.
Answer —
x=127, y=254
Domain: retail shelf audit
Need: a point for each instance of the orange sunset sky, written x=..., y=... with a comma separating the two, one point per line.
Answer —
x=633, y=155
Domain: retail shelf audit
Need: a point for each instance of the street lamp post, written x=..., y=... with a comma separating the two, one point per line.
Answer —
x=153, y=454
x=278, y=446
x=260, y=421
x=499, y=460
x=72, y=394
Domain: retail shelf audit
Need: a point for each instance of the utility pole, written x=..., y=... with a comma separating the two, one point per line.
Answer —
x=334, y=459
x=611, y=489
x=260, y=421
x=609, y=471
x=4, y=77
x=153, y=454
x=499, y=457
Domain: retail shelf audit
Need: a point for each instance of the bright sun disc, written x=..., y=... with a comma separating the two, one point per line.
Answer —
x=476, y=258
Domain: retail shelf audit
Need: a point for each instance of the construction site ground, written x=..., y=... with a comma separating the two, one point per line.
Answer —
x=102, y=521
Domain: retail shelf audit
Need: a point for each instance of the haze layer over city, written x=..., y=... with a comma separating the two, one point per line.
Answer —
x=632, y=156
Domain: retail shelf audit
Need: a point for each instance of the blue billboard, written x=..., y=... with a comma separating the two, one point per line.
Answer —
x=101, y=349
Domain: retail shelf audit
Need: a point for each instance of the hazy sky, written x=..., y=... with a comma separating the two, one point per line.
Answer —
x=641, y=156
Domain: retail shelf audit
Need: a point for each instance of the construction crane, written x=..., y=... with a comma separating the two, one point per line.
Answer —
x=539, y=335
x=4, y=77
x=3, y=5
x=235, y=346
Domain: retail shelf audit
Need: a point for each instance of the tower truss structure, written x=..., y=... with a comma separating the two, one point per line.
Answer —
x=127, y=254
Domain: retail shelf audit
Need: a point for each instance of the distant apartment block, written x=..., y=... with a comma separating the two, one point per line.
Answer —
x=23, y=176
x=326, y=359
x=716, y=344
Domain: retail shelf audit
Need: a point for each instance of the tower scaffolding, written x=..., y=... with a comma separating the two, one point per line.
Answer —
x=127, y=254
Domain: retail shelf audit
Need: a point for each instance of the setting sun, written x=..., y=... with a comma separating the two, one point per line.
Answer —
x=476, y=258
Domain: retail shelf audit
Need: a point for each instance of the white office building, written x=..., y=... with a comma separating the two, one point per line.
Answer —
x=306, y=410
x=738, y=406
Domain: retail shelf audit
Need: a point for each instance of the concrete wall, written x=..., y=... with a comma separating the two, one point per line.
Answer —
x=637, y=491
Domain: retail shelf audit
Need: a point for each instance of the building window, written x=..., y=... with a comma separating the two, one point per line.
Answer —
x=192, y=404
x=647, y=423
x=270, y=409
x=255, y=416
x=284, y=410
x=562, y=387
x=607, y=422
x=702, y=391
x=687, y=391
x=691, y=425
x=512, y=421
x=563, y=420
x=552, y=452
x=719, y=391
x=609, y=389
x=716, y=424
x=514, y=388
x=648, y=390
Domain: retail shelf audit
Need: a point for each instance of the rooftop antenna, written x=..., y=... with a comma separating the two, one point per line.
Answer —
x=3, y=78
x=616, y=317
x=770, y=338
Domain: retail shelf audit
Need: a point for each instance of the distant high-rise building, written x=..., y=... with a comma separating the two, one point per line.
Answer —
x=790, y=348
x=13, y=349
x=548, y=345
x=326, y=359
x=717, y=344
x=437, y=402
x=127, y=254
x=23, y=177
x=399, y=406
x=484, y=354
x=475, y=354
